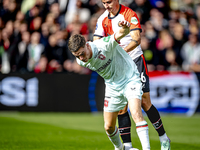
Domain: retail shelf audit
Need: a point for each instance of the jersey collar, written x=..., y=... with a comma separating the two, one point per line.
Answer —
x=116, y=14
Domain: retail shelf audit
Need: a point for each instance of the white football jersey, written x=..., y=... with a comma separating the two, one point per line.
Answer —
x=111, y=62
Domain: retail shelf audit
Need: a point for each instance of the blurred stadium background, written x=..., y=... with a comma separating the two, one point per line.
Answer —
x=38, y=74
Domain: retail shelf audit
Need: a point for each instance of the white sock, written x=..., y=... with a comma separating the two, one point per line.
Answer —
x=129, y=145
x=163, y=137
x=143, y=134
x=115, y=139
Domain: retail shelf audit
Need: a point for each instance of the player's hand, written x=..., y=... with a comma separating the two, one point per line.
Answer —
x=123, y=31
x=124, y=23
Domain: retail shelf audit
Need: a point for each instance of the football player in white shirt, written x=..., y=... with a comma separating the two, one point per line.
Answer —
x=123, y=84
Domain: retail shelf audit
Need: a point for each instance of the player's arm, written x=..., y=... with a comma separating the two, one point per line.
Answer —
x=124, y=30
x=136, y=40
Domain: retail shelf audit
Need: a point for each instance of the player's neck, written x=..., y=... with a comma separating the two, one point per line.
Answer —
x=114, y=13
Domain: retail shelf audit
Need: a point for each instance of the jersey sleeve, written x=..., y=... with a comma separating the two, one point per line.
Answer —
x=133, y=19
x=99, y=31
x=108, y=43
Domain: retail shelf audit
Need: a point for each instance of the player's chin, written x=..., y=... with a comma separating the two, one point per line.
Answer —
x=109, y=10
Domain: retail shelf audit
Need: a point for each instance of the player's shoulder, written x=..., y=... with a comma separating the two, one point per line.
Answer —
x=126, y=11
x=102, y=42
x=104, y=15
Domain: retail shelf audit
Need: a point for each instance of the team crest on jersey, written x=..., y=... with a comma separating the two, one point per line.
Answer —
x=106, y=39
x=102, y=57
x=119, y=24
x=134, y=20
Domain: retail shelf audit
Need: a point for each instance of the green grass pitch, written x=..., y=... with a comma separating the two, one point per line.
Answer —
x=84, y=131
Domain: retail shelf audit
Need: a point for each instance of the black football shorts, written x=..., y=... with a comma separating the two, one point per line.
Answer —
x=144, y=75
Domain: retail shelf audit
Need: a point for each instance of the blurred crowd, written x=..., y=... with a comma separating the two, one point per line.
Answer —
x=34, y=33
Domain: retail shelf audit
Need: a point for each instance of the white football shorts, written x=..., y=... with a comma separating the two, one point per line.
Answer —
x=115, y=100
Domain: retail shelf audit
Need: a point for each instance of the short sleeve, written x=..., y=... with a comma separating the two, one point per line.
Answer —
x=107, y=43
x=132, y=18
x=99, y=29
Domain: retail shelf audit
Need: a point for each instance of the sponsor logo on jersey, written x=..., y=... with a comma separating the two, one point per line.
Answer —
x=104, y=66
x=134, y=20
x=106, y=39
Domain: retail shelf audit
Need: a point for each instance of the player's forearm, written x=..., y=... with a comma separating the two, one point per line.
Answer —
x=135, y=41
x=132, y=45
x=122, y=33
